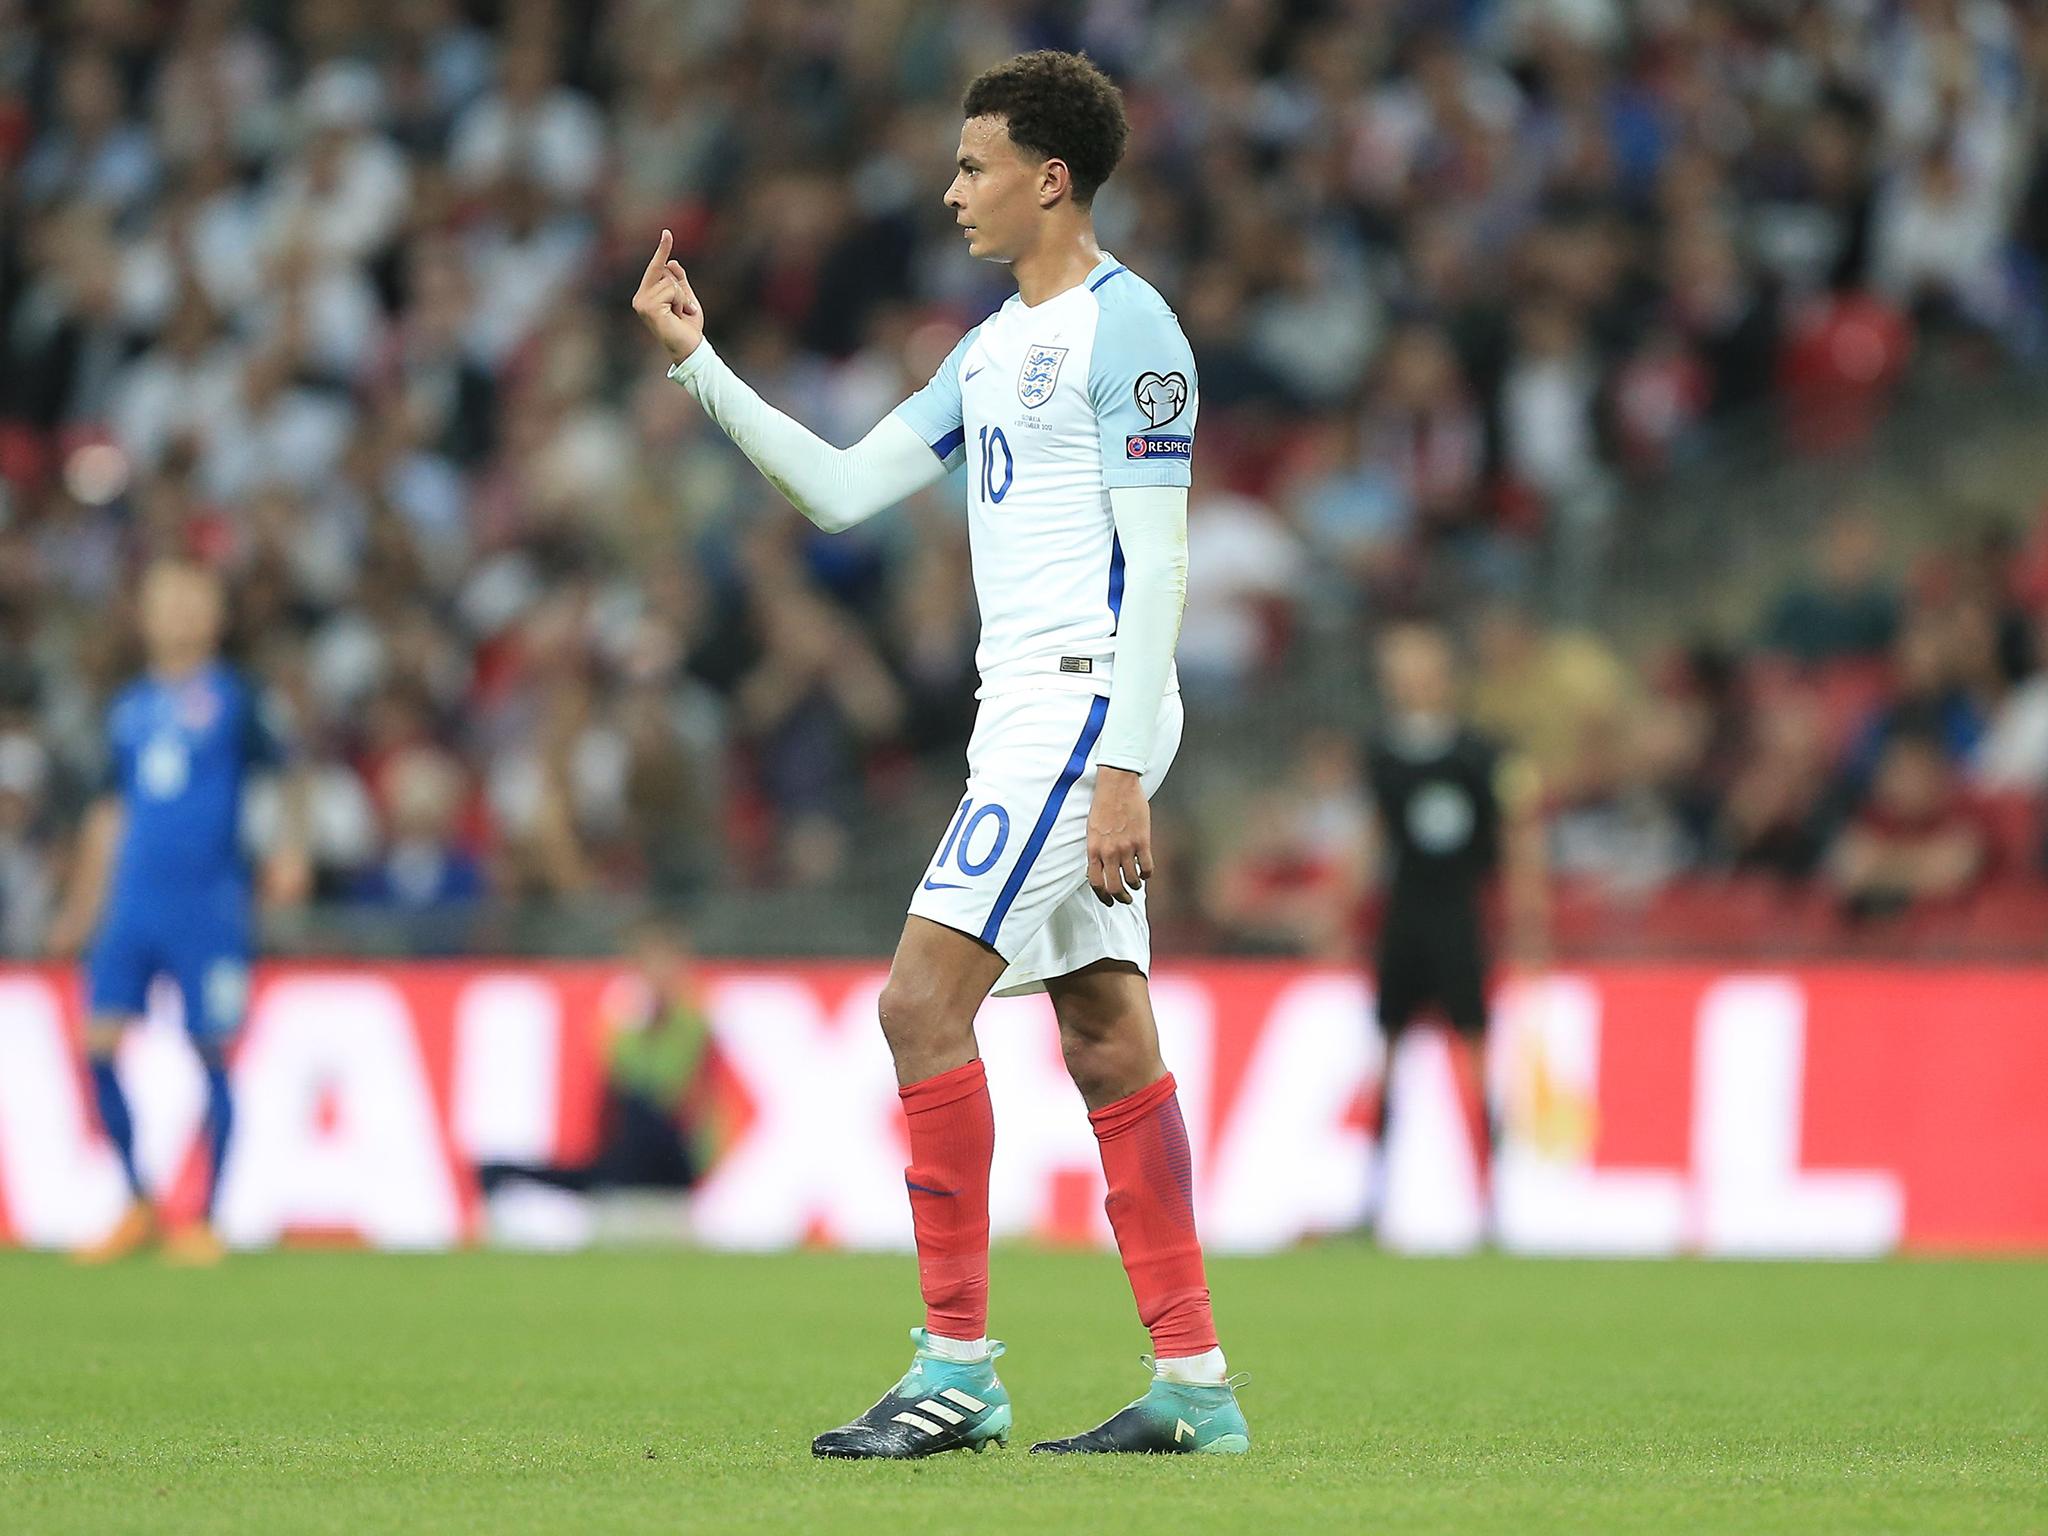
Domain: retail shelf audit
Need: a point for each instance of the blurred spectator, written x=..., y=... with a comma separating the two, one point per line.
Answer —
x=1542, y=693
x=1931, y=696
x=343, y=194
x=422, y=869
x=1915, y=841
x=1424, y=426
x=1547, y=401
x=1938, y=242
x=1292, y=877
x=658, y=1064
x=1726, y=313
x=666, y=812
x=1842, y=605
x=1776, y=818
x=91, y=149
x=932, y=636
x=2013, y=755
x=1245, y=573
x=1616, y=828
x=1313, y=327
x=1353, y=513
x=655, y=1131
x=28, y=872
x=532, y=123
x=813, y=697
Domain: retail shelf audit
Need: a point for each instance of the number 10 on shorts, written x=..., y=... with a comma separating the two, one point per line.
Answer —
x=966, y=831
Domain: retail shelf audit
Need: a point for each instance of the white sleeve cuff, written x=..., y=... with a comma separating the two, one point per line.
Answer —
x=694, y=364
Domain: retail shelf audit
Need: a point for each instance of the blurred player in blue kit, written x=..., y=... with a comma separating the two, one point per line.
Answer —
x=161, y=884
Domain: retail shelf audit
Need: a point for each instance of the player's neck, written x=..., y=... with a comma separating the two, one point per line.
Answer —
x=1423, y=733
x=180, y=667
x=1061, y=260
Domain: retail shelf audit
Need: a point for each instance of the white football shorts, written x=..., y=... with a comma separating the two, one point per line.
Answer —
x=1012, y=869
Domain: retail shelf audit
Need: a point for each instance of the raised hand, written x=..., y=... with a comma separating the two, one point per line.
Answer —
x=667, y=304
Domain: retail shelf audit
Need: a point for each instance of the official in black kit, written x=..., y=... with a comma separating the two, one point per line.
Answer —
x=1453, y=809
x=1433, y=783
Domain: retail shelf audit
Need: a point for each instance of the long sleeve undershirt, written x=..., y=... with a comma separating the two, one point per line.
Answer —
x=1152, y=523
x=836, y=488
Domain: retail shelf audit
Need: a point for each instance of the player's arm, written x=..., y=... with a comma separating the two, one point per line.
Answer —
x=1525, y=858
x=288, y=872
x=1152, y=527
x=92, y=865
x=1141, y=382
x=835, y=488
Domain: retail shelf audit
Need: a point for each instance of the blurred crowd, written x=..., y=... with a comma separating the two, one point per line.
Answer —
x=333, y=293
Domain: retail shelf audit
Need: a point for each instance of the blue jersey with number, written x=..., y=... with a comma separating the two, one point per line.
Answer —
x=180, y=754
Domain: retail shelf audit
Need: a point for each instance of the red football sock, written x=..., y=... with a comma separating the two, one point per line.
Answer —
x=952, y=1139
x=1151, y=1205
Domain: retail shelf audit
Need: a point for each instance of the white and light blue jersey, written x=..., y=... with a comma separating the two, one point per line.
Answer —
x=1051, y=406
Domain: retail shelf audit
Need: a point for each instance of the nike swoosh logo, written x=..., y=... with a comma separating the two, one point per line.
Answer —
x=971, y=373
x=942, y=885
x=926, y=1189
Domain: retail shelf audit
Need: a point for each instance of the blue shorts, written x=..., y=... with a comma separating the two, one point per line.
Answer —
x=204, y=948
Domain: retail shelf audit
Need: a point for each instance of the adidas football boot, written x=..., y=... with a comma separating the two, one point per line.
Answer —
x=1172, y=1418
x=939, y=1405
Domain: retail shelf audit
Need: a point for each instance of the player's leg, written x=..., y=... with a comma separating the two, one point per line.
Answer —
x=118, y=970
x=102, y=1041
x=1013, y=855
x=950, y=1399
x=1111, y=1045
x=1464, y=988
x=936, y=984
x=211, y=967
x=1403, y=987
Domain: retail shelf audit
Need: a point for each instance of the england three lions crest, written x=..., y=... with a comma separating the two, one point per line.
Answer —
x=1041, y=371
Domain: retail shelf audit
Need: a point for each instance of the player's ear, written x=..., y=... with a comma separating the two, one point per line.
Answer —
x=1055, y=182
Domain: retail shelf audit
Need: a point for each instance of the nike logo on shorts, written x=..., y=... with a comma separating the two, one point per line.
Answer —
x=971, y=373
x=942, y=885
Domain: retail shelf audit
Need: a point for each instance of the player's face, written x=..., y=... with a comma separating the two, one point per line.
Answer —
x=995, y=191
x=1416, y=666
x=181, y=613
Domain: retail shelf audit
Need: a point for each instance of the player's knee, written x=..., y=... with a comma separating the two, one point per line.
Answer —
x=915, y=1016
x=1087, y=1061
x=1108, y=1057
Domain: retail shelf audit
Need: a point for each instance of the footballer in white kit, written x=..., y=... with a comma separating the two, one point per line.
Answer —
x=1051, y=406
x=1073, y=410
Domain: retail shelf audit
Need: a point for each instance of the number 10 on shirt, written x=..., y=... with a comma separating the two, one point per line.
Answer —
x=991, y=439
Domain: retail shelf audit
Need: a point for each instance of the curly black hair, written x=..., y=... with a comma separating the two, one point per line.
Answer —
x=1057, y=106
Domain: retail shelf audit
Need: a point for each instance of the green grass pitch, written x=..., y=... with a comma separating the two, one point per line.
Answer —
x=645, y=1391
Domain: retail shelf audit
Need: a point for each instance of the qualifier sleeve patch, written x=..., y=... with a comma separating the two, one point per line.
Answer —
x=1161, y=396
